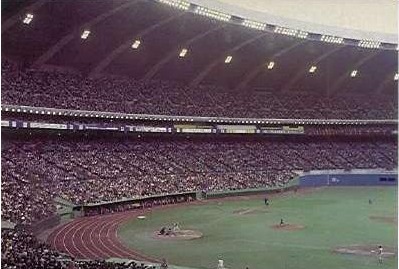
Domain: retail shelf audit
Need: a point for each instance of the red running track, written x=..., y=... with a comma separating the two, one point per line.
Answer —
x=95, y=238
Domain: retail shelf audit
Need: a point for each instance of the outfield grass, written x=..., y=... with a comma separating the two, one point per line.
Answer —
x=332, y=217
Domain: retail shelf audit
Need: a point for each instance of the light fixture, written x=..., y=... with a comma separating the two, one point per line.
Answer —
x=312, y=69
x=254, y=24
x=302, y=34
x=354, y=73
x=228, y=59
x=332, y=39
x=396, y=77
x=180, y=4
x=85, y=34
x=136, y=44
x=212, y=14
x=270, y=65
x=290, y=32
x=28, y=18
x=183, y=53
x=371, y=44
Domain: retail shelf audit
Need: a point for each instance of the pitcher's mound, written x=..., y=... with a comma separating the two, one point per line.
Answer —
x=365, y=250
x=179, y=235
x=288, y=227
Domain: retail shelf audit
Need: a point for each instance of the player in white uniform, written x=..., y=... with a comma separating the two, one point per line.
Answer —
x=380, y=254
x=220, y=264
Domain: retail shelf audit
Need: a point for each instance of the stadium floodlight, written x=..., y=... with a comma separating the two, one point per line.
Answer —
x=136, y=44
x=254, y=24
x=270, y=65
x=354, y=73
x=332, y=39
x=312, y=69
x=285, y=31
x=290, y=32
x=228, y=59
x=371, y=44
x=302, y=34
x=85, y=34
x=183, y=53
x=180, y=4
x=396, y=77
x=28, y=18
x=212, y=14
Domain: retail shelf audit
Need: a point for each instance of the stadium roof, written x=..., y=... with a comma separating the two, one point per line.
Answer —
x=364, y=19
x=165, y=39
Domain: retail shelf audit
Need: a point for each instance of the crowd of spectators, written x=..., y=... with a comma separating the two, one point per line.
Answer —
x=20, y=249
x=89, y=171
x=72, y=91
x=37, y=170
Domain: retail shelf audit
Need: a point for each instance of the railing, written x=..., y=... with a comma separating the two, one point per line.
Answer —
x=167, y=118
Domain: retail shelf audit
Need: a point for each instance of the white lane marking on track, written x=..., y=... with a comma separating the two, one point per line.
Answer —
x=131, y=252
x=57, y=233
x=74, y=235
x=86, y=227
x=112, y=242
x=100, y=251
x=63, y=238
x=112, y=252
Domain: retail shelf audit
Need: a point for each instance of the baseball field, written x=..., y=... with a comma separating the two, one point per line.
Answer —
x=323, y=228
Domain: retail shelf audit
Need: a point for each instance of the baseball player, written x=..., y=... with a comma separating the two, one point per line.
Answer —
x=380, y=254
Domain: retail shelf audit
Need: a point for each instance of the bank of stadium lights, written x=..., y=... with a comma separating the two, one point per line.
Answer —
x=302, y=34
x=28, y=18
x=396, y=77
x=354, y=73
x=184, y=5
x=85, y=34
x=183, y=53
x=136, y=44
x=228, y=59
x=212, y=14
x=270, y=65
x=312, y=69
x=371, y=44
x=254, y=24
x=290, y=32
x=332, y=39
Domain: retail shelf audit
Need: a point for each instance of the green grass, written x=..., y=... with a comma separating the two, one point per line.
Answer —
x=332, y=217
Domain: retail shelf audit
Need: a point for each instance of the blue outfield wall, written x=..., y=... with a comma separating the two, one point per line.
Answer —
x=349, y=179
